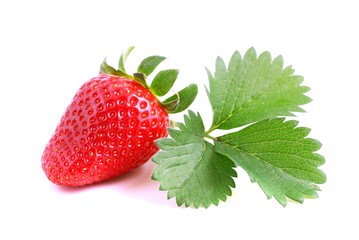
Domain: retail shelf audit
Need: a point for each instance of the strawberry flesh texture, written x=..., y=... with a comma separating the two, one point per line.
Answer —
x=108, y=129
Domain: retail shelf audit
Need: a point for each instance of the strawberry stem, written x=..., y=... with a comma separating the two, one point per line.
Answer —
x=210, y=137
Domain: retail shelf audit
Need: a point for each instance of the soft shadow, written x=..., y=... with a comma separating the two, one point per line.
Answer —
x=137, y=184
x=70, y=190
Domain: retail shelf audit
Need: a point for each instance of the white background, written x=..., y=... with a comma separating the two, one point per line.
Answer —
x=49, y=48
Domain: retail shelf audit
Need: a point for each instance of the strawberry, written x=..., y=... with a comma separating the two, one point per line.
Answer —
x=111, y=125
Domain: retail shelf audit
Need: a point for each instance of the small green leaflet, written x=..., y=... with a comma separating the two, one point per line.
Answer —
x=105, y=68
x=255, y=94
x=181, y=100
x=253, y=89
x=164, y=81
x=161, y=84
x=123, y=58
x=278, y=156
x=149, y=64
x=189, y=169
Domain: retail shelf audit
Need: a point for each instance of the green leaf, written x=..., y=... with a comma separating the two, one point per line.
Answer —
x=278, y=156
x=252, y=89
x=189, y=169
x=164, y=81
x=124, y=55
x=182, y=100
x=149, y=64
x=192, y=125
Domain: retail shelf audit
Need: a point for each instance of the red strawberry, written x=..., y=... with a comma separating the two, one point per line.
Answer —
x=111, y=124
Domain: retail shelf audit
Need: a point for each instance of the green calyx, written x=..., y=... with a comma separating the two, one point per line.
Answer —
x=160, y=85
